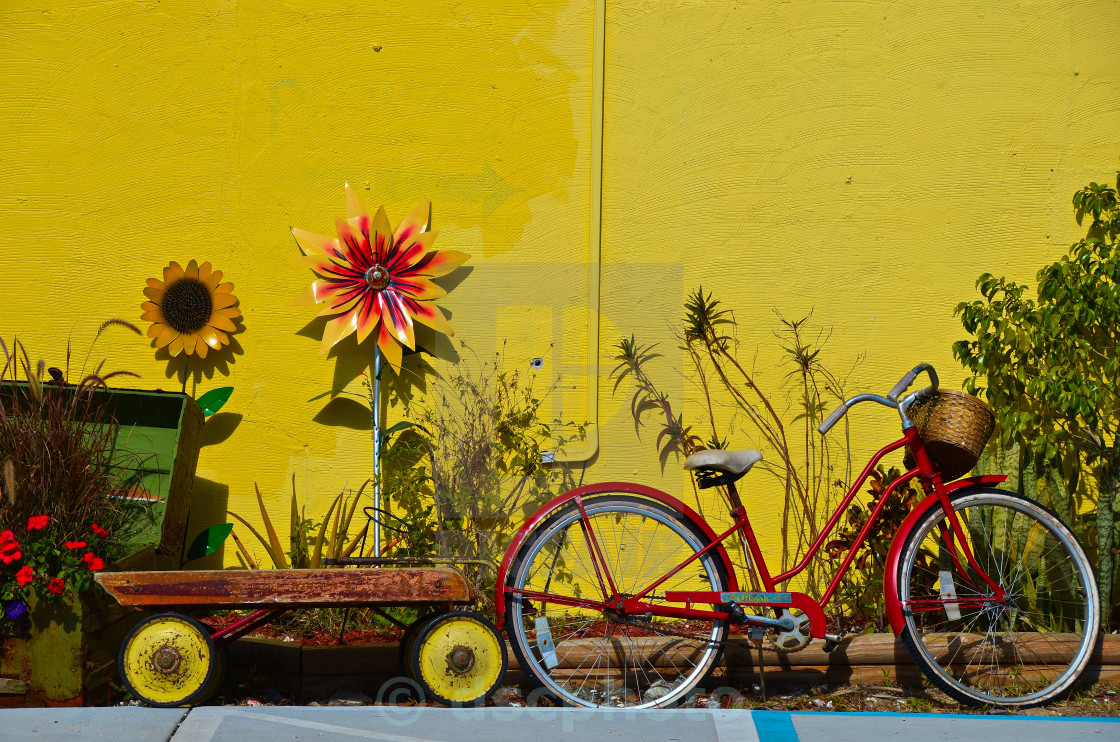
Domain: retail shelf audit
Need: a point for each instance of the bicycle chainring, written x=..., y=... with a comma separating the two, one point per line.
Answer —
x=794, y=640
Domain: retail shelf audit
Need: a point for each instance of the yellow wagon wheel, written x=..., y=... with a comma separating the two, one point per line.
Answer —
x=459, y=658
x=168, y=660
x=408, y=644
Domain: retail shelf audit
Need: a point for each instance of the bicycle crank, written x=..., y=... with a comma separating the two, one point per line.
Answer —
x=738, y=615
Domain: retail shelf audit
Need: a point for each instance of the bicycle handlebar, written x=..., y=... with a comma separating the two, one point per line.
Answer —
x=891, y=400
x=905, y=382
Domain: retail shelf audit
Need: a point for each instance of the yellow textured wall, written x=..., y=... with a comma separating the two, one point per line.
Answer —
x=865, y=160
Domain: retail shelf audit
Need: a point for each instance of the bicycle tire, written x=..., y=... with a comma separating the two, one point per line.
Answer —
x=656, y=664
x=1026, y=652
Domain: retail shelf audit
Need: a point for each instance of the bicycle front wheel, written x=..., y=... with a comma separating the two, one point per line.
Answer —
x=589, y=657
x=1025, y=650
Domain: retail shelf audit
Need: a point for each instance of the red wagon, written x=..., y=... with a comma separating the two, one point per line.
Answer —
x=171, y=659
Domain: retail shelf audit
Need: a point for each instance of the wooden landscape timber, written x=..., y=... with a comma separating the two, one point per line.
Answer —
x=311, y=672
x=303, y=588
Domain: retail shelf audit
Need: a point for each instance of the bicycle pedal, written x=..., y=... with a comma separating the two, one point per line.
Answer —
x=735, y=612
x=833, y=641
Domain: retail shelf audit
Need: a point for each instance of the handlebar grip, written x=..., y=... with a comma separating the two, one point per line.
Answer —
x=834, y=418
x=905, y=382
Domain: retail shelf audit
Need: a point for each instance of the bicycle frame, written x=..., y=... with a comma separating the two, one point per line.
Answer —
x=938, y=496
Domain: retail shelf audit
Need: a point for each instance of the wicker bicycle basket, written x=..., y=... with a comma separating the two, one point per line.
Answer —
x=954, y=427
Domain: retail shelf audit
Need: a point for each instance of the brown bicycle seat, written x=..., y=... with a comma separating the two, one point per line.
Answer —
x=735, y=463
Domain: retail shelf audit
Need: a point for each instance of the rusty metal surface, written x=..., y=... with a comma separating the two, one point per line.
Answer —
x=400, y=561
x=308, y=588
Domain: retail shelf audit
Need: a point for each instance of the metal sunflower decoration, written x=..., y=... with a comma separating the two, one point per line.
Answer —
x=191, y=310
x=377, y=280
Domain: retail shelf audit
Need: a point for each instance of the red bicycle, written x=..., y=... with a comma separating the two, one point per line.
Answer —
x=618, y=594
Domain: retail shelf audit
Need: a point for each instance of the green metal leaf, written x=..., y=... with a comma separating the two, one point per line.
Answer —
x=214, y=400
x=208, y=541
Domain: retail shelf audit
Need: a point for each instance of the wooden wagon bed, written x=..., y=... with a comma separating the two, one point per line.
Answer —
x=295, y=588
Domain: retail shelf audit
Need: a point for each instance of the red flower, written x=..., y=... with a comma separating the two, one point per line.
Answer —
x=38, y=522
x=9, y=548
x=25, y=575
x=71, y=545
x=98, y=530
x=56, y=586
x=93, y=561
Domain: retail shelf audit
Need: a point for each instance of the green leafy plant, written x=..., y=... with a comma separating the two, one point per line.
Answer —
x=310, y=541
x=1049, y=365
x=58, y=462
x=860, y=596
x=490, y=460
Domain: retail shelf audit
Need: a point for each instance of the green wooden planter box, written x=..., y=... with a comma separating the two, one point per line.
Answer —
x=69, y=655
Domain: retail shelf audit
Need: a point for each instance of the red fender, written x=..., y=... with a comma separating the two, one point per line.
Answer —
x=599, y=489
x=890, y=574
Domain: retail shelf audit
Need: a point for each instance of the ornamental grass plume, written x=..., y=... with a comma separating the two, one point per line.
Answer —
x=57, y=447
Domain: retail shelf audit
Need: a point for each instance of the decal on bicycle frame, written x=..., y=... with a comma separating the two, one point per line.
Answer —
x=757, y=598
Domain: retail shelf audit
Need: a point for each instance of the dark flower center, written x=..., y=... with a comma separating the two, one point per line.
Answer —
x=377, y=277
x=187, y=305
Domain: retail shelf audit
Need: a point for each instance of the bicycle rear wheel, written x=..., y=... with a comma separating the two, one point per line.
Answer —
x=589, y=657
x=1024, y=651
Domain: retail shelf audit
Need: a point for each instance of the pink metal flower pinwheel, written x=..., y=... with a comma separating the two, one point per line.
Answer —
x=377, y=280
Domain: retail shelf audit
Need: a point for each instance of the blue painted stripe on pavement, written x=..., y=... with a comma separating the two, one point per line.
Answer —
x=1014, y=717
x=774, y=725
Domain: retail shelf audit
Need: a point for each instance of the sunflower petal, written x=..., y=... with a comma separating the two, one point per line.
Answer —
x=332, y=268
x=175, y=347
x=314, y=244
x=192, y=270
x=368, y=315
x=420, y=289
x=354, y=205
x=317, y=292
x=152, y=315
x=224, y=288
x=427, y=313
x=156, y=329
x=221, y=322
x=353, y=246
x=390, y=348
x=212, y=280
x=205, y=270
x=173, y=272
x=201, y=348
x=210, y=336
x=189, y=342
x=402, y=321
x=418, y=220
x=408, y=253
x=221, y=301
x=381, y=239
x=155, y=283
x=336, y=330
x=440, y=263
x=345, y=298
x=155, y=295
x=166, y=335
x=149, y=306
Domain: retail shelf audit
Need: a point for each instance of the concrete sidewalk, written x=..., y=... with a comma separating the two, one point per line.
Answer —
x=423, y=724
x=402, y=724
